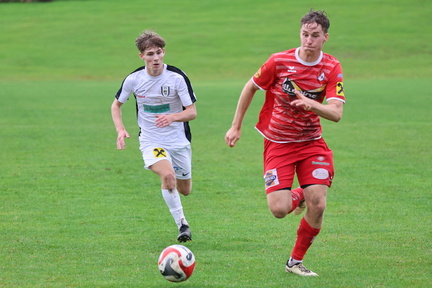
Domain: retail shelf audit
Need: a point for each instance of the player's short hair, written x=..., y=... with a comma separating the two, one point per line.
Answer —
x=149, y=39
x=318, y=17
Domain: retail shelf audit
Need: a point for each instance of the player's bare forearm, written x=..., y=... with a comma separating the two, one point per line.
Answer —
x=118, y=123
x=116, y=115
x=246, y=96
x=243, y=104
x=188, y=114
x=332, y=111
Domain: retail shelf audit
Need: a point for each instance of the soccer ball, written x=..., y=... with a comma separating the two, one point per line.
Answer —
x=176, y=263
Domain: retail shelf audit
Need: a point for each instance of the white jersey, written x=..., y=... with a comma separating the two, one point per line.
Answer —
x=167, y=93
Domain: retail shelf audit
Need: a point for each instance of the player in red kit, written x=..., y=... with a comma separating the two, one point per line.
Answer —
x=296, y=82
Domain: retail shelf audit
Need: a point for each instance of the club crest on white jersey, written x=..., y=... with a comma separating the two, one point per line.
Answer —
x=165, y=91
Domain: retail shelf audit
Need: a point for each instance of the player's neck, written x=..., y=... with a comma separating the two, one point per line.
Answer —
x=154, y=72
x=309, y=56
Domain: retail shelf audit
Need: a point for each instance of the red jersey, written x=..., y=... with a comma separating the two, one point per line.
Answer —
x=279, y=76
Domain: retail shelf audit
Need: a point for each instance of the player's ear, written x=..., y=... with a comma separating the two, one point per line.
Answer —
x=326, y=35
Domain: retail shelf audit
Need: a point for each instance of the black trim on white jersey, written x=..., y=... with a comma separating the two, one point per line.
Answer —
x=117, y=95
x=174, y=69
x=189, y=85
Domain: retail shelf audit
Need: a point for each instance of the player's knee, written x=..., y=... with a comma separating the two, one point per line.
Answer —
x=184, y=187
x=278, y=206
x=169, y=181
x=184, y=192
x=321, y=207
x=318, y=206
x=279, y=212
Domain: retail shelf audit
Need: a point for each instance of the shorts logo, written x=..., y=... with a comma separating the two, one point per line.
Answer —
x=159, y=152
x=271, y=178
x=321, y=161
x=320, y=173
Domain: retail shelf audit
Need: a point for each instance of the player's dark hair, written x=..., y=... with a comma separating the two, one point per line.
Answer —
x=318, y=17
x=149, y=39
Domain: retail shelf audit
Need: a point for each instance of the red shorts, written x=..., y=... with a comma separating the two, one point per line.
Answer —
x=312, y=161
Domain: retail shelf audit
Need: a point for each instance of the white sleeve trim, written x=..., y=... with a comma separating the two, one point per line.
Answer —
x=334, y=98
x=257, y=85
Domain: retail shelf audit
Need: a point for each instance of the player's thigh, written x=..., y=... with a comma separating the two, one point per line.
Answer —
x=163, y=168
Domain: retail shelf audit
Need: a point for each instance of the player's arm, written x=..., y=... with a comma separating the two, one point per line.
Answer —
x=246, y=96
x=332, y=111
x=118, y=123
x=188, y=114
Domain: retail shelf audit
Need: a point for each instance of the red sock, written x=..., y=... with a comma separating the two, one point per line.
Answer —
x=297, y=196
x=305, y=236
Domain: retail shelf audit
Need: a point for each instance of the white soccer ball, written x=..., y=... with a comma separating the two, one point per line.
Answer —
x=176, y=263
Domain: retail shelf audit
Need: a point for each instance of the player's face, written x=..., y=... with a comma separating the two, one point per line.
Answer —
x=153, y=58
x=312, y=38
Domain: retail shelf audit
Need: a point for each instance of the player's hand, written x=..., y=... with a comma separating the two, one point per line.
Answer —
x=163, y=121
x=303, y=102
x=232, y=136
x=121, y=145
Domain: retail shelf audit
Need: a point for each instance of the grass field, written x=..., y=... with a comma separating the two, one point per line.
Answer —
x=75, y=212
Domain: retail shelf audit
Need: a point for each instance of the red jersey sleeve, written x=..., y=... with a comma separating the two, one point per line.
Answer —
x=335, y=87
x=265, y=76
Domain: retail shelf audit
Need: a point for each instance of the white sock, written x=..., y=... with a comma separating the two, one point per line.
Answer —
x=292, y=262
x=172, y=199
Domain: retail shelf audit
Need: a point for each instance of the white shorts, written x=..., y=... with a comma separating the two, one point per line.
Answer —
x=180, y=158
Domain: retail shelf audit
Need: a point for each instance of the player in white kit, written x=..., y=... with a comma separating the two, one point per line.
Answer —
x=165, y=105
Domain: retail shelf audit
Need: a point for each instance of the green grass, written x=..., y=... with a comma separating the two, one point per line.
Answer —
x=75, y=212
